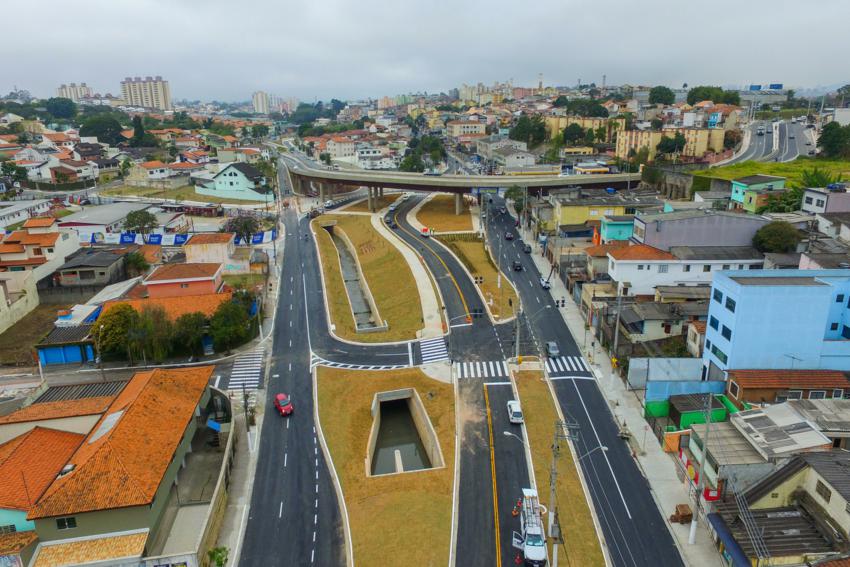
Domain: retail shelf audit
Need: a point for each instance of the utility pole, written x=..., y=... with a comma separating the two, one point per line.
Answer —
x=617, y=328
x=692, y=536
x=518, y=326
x=562, y=433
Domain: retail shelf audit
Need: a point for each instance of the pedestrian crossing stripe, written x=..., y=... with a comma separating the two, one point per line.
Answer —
x=246, y=372
x=319, y=361
x=566, y=364
x=433, y=350
x=483, y=369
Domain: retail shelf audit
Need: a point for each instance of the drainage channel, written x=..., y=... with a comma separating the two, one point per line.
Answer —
x=363, y=317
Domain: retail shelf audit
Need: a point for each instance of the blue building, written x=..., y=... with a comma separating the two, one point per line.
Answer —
x=616, y=227
x=771, y=319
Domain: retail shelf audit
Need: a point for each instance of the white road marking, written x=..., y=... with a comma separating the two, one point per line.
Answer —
x=280, y=513
x=315, y=518
x=591, y=378
x=285, y=455
x=287, y=424
x=217, y=379
x=497, y=383
x=538, y=299
x=290, y=342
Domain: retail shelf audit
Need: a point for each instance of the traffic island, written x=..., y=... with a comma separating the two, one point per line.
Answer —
x=399, y=518
x=439, y=214
x=500, y=297
x=581, y=541
x=395, y=302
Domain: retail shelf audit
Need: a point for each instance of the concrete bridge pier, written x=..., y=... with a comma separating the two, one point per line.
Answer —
x=458, y=203
x=370, y=199
x=380, y=191
x=322, y=193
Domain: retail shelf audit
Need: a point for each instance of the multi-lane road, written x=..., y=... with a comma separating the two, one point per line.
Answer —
x=294, y=517
x=782, y=141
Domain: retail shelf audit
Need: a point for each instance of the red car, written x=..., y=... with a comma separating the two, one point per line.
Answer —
x=283, y=404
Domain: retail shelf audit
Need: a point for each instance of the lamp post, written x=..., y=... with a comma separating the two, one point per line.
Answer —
x=99, y=355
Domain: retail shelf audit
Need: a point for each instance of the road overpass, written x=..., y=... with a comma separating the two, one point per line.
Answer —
x=304, y=173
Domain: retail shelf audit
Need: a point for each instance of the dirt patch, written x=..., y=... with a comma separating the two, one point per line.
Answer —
x=438, y=214
x=16, y=343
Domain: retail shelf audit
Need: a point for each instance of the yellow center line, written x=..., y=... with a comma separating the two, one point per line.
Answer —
x=434, y=252
x=493, y=473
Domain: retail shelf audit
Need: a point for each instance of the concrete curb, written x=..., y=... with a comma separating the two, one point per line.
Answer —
x=346, y=528
x=456, y=480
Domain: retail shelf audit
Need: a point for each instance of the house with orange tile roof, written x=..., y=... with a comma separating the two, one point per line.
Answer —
x=174, y=307
x=217, y=247
x=40, y=248
x=245, y=155
x=147, y=171
x=768, y=386
x=115, y=498
x=177, y=280
x=28, y=464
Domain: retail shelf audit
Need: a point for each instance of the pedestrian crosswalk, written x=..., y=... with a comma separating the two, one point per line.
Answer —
x=319, y=361
x=247, y=371
x=484, y=369
x=433, y=350
x=566, y=365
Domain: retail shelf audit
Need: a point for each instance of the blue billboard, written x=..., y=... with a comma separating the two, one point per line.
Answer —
x=755, y=87
x=776, y=86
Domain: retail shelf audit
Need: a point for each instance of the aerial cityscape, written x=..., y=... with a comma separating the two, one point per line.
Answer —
x=333, y=290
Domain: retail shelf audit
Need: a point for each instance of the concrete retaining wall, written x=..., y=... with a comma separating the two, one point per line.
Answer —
x=380, y=324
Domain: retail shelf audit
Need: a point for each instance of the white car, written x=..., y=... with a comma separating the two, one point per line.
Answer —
x=329, y=204
x=514, y=412
x=544, y=283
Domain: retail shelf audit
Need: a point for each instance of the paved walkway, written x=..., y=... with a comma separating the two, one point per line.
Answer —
x=660, y=469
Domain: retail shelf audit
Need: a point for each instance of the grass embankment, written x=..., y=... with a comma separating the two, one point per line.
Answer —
x=387, y=274
x=438, y=214
x=380, y=203
x=185, y=193
x=792, y=170
x=16, y=342
x=403, y=519
x=581, y=542
x=470, y=250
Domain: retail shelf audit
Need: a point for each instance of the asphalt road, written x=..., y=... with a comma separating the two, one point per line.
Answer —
x=761, y=147
x=634, y=530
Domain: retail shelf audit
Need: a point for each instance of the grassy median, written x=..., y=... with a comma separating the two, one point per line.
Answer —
x=387, y=274
x=380, y=203
x=438, y=214
x=792, y=170
x=402, y=519
x=470, y=250
x=581, y=542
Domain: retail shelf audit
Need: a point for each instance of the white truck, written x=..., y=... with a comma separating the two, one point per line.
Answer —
x=532, y=540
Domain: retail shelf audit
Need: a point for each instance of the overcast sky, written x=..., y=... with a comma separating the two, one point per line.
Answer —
x=226, y=49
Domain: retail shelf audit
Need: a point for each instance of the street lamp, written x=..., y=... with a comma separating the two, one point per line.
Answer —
x=514, y=435
x=602, y=448
x=100, y=355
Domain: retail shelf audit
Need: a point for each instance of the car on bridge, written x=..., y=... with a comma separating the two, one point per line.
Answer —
x=283, y=404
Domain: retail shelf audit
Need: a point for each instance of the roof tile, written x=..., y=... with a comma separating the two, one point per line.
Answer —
x=640, y=252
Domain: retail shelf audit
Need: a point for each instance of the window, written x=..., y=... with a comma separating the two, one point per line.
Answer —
x=640, y=267
x=794, y=395
x=686, y=268
x=714, y=323
x=50, y=250
x=184, y=285
x=717, y=295
x=10, y=529
x=839, y=298
x=823, y=491
x=37, y=252
x=708, y=344
x=730, y=304
x=808, y=200
x=727, y=333
x=838, y=393
x=726, y=266
x=66, y=523
x=721, y=356
x=662, y=268
x=819, y=202
x=706, y=268
x=733, y=389
x=833, y=327
x=817, y=395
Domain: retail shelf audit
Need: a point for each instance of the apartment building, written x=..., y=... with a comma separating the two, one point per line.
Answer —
x=459, y=128
x=698, y=141
x=555, y=124
x=74, y=91
x=150, y=92
x=701, y=227
x=260, y=101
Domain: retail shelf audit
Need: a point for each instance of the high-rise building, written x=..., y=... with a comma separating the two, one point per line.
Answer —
x=261, y=102
x=150, y=92
x=74, y=91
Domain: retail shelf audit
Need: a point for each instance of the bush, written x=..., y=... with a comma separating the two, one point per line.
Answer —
x=777, y=237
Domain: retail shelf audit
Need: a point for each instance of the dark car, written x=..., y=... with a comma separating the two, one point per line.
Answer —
x=283, y=404
x=390, y=223
x=503, y=210
x=517, y=266
x=527, y=248
x=509, y=236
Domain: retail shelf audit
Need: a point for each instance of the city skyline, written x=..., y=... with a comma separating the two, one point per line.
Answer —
x=310, y=53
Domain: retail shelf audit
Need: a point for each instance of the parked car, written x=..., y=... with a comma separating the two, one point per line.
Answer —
x=552, y=349
x=527, y=248
x=514, y=412
x=283, y=404
x=517, y=266
x=509, y=236
x=544, y=283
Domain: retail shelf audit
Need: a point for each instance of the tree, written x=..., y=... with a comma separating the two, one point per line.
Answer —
x=560, y=101
x=260, y=131
x=589, y=136
x=189, y=332
x=60, y=107
x=157, y=334
x=673, y=145
x=573, y=133
x=601, y=134
x=219, y=556
x=140, y=222
x=136, y=263
x=325, y=158
x=125, y=166
x=714, y=94
x=531, y=130
x=103, y=127
x=111, y=333
x=412, y=162
x=817, y=177
x=229, y=326
x=834, y=140
x=138, y=130
x=656, y=124
x=13, y=170
x=777, y=237
x=731, y=139
x=587, y=108
x=661, y=95
x=516, y=194
x=243, y=226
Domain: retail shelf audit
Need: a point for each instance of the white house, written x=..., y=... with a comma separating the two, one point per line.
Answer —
x=639, y=269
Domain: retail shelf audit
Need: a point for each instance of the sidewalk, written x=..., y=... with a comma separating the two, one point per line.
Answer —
x=658, y=467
